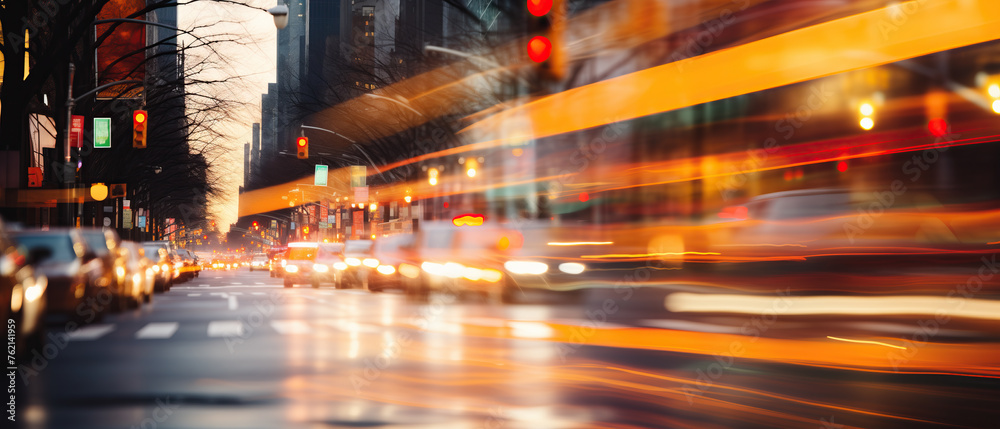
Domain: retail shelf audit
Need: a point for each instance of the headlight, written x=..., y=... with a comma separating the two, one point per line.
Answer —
x=353, y=261
x=526, y=267
x=164, y=267
x=120, y=271
x=340, y=266
x=283, y=262
x=571, y=268
x=432, y=268
x=409, y=271
x=371, y=262
x=453, y=270
x=386, y=269
x=473, y=274
x=320, y=268
x=156, y=268
x=292, y=268
x=33, y=292
x=492, y=276
x=178, y=264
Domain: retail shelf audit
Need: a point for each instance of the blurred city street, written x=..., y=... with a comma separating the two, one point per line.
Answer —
x=234, y=349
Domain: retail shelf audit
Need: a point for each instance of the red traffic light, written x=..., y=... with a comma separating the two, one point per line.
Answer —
x=539, y=48
x=139, y=116
x=539, y=7
x=302, y=141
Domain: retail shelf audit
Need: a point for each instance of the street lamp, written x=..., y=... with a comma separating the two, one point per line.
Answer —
x=280, y=14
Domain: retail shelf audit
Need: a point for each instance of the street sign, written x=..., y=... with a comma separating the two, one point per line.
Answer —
x=107, y=221
x=321, y=175
x=76, y=132
x=127, y=218
x=359, y=176
x=323, y=225
x=102, y=133
x=142, y=221
x=126, y=204
x=361, y=195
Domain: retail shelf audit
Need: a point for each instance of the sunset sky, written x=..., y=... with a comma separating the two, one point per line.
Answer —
x=248, y=65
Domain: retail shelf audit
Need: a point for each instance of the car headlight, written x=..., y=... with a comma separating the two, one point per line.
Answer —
x=320, y=268
x=292, y=268
x=283, y=262
x=432, y=268
x=120, y=272
x=409, y=271
x=164, y=267
x=492, y=276
x=453, y=270
x=526, y=267
x=353, y=261
x=386, y=269
x=340, y=266
x=156, y=268
x=572, y=268
x=371, y=262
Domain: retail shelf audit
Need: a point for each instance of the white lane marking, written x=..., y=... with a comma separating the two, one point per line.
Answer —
x=326, y=292
x=157, y=331
x=222, y=294
x=91, y=332
x=236, y=293
x=257, y=293
x=217, y=277
x=225, y=328
x=286, y=327
x=232, y=303
x=258, y=283
x=235, y=283
x=194, y=294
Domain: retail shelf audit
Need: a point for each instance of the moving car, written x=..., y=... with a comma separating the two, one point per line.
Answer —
x=360, y=263
x=105, y=243
x=298, y=263
x=78, y=287
x=139, y=274
x=259, y=262
x=329, y=264
x=397, y=265
x=158, y=253
x=22, y=295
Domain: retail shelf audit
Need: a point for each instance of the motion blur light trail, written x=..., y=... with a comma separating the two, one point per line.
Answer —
x=755, y=66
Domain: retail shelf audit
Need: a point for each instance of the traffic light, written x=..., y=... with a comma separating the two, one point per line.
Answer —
x=547, y=23
x=302, y=144
x=139, y=119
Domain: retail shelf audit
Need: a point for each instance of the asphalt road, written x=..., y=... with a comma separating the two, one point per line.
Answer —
x=234, y=349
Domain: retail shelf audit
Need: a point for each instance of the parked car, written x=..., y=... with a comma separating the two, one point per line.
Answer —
x=78, y=287
x=22, y=295
x=139, y=274
x=158, y=253
x=105, y=243
x=298, y=263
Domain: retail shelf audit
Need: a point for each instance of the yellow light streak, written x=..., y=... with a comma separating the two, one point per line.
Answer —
x=866, y=342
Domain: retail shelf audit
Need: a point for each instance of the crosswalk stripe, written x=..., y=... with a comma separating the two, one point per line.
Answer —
x=258, y=283
x=157, y=331
x=258, y=293
x=286, y=327
x=91, y=332
x=236, y=283
x=194, y=294
x=225, y=328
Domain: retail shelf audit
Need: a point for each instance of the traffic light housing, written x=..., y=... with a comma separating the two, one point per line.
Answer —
x=139, y=124
x=546, y=26
x=302, y=146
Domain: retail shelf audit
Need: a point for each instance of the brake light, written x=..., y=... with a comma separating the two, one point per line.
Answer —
x=734, y=212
